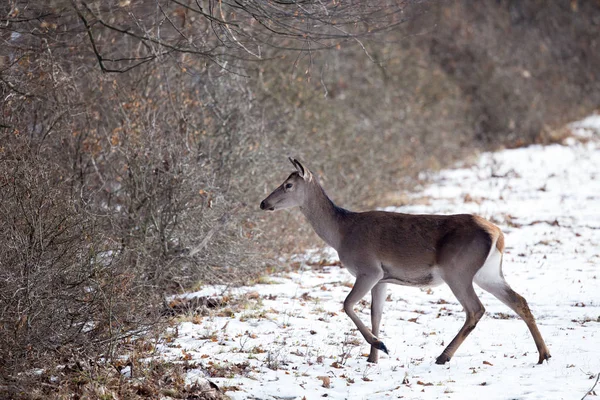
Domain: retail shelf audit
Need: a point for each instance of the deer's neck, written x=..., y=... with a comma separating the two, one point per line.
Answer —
x=325, y=217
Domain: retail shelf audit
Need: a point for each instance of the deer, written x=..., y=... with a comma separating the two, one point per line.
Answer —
x=380, y=247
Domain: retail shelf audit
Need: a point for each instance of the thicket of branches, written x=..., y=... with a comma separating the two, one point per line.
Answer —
x=137, y=137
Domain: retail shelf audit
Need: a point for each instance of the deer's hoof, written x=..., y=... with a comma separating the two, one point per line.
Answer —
x=373, y=355
x=544, y=356
x=380, y=346
x=442, y=359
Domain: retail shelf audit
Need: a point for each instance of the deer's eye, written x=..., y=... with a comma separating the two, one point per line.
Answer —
x=288, y=185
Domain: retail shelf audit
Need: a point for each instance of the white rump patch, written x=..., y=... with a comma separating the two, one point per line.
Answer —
x=490, y=274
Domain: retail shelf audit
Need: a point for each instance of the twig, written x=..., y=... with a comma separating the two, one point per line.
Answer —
x=220, y=223
x=323, y=82
x=592, y=388
x=99, y=57
x=226, y=25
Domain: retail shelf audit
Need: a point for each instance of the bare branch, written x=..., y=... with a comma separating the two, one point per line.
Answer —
x=592, y=388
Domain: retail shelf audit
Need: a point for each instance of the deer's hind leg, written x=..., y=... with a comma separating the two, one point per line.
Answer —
x=461, y=255
x=465, y=294
x=491, y=279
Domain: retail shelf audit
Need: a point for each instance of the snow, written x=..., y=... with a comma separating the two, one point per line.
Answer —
x=292, y=340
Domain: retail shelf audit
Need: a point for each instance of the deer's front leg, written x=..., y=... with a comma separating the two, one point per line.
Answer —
x=363, y=284
x=377, y=301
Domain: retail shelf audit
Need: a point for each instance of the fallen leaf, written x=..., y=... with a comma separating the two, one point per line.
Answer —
x=326, y=381
x=424, y=383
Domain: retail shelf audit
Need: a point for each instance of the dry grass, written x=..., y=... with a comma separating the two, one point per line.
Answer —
x=138, y=373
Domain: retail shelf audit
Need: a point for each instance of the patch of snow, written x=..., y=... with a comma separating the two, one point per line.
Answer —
x=294, y=341
x=126, y=372
x=587, y=127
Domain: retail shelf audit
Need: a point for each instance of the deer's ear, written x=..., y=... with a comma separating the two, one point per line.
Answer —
x=299, y=167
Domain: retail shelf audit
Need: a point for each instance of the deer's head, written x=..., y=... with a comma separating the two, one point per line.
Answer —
x=291, y=192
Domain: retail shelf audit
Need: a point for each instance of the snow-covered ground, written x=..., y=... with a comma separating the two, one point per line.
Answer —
x=290, y=339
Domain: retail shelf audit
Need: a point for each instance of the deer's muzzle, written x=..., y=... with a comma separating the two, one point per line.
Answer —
x=265, y=206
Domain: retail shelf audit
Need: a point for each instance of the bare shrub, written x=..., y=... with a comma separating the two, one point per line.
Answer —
x=523, y=68
x=115, y=190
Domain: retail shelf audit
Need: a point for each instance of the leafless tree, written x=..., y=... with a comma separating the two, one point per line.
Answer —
x=125, y=34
